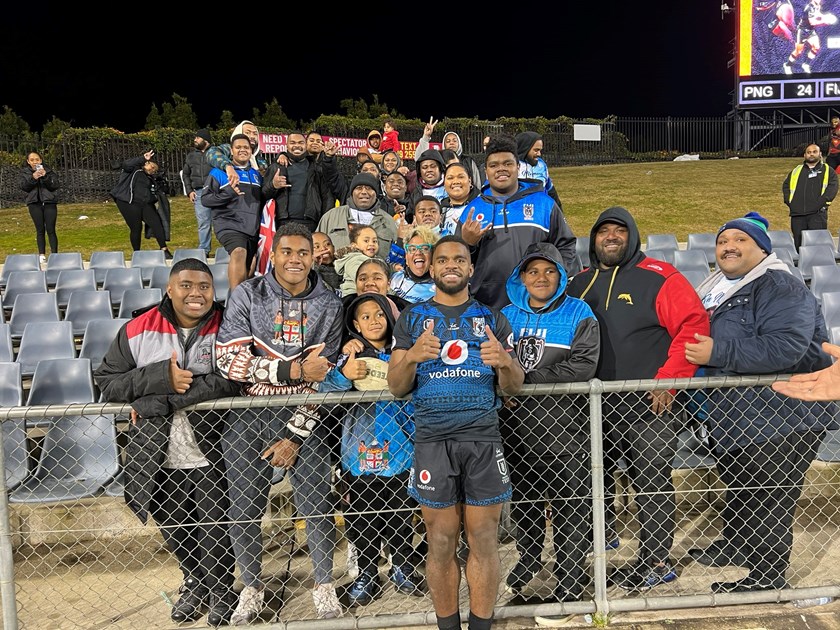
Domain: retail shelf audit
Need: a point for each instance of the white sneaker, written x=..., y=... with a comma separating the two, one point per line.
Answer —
x=352, y=560
x=42, y=258
x=251, y=603
x=326, y=601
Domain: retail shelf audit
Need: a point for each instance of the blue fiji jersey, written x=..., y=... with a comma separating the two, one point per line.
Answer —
x=455, y=394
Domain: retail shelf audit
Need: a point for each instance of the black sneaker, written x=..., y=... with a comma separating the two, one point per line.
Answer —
x=364, y=589
x=167, y=254
x=644, y=577
x=519, y=576
x=222, y=604
x=748, y=584
x=719, y=554
x=190, y=605
x=407, y=580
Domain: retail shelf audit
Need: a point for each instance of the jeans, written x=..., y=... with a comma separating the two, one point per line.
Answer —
x=202, y=215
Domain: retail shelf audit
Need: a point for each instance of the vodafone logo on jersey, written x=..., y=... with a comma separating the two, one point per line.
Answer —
x=425, y=476
x=454, y=352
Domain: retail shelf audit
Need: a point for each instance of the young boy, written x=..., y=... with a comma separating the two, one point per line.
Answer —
x=376, y=453
x=323, y=253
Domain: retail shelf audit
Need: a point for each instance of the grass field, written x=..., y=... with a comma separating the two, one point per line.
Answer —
x=677, y=197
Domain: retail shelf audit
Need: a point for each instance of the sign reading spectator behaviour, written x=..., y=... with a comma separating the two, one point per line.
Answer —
x=275, y=143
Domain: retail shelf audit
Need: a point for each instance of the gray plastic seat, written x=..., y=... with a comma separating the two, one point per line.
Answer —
x=147, y=260
x=819, y=237
x=785, y=255
x=582, y=250
x=45, y=340
x=101, y=261
x=85, y=306
x=706, y=241
x=15, y=450
x=160, y=278
x=20, y=282
x=62, y=261
x=70, y=280
x=99, y=335
x=695, y=276
x=7, y=348
x=18, y=262
x=134, y=299
x=180, y=254
x=221, y=255
x=117, y=281
x=62, y=382
x=685, y=259
x=824, y=278
x=221, y=282
x=31, y=308
x=665, y=255
x=662, y=241
x=794, y=270
x=812, y=255
x=834, y=335
x=79, y=457
x=783, y=238
x=831, y=308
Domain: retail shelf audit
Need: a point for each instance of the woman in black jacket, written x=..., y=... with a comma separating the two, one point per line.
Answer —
x=136, y=196
x=40, y=182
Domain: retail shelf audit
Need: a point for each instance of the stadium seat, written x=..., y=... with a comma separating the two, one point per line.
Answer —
x=61, y=261
x=221, y=255
x=15, y=451
x=180, y=254
x=831, y=308
x=20, y=282
x=695, y=276
x=819, y=237
x=824, y=278
x=117, y=281
x=134, y=299
x=146, y=260
x=706, y=241
x=662, y=241
x=31, y=308
x=45, y=340
x=70, y=280
x=99, y=335
x=692, y=452
x=666, y=255
x=812, y=255
x=794, y=270
x=834, y=335
x=18, y=262
x=7, y=348
x=685, y=259
x=783, y=238
x=221, y=283
x=85, y=306
x=785, y=255
x=100, y=261
x=582, y=250
x=62, y=382
x=160, y=278
x=79, y=457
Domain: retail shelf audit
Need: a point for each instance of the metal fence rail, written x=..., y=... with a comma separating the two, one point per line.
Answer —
x=88, y=562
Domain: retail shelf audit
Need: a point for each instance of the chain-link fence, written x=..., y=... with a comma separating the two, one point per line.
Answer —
x=604, y=492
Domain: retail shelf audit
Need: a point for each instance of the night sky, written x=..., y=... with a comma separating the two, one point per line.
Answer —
x=589, y=59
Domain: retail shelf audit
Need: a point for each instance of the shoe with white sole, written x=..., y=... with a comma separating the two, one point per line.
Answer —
x=251, y=604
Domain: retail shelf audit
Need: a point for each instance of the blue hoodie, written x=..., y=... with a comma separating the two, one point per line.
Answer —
x=558, y=343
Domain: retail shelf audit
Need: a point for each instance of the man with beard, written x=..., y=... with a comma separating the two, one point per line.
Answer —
x=647, y=311
x=529, y=148
x=451, y=353
x=363, y=208
x=193, y=175
x=311, y=184
x=807, y=191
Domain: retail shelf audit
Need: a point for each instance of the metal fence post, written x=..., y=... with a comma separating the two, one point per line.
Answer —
x=7, y=562
x=596, y=389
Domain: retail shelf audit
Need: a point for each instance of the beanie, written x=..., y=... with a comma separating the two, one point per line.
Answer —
x=755, y=226
x=364, y=179
x=204, y=134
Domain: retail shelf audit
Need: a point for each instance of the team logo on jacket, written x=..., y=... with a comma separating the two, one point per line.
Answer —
x=479, y=326
x=528, y=211
x=530, y=351
x=454, y=352
x=626, y=297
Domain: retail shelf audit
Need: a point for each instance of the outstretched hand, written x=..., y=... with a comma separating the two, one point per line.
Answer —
x=429, y=127
x=471, y=230
x=821, y=385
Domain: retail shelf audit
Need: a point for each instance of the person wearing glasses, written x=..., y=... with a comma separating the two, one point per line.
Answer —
x=413, y=282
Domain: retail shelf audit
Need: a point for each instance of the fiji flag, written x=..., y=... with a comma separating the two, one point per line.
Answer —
x=266, y=237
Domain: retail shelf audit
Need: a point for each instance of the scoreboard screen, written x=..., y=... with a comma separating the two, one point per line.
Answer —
x=788, y=53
